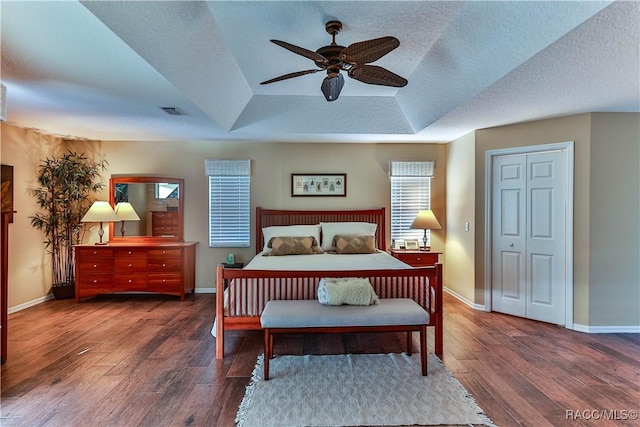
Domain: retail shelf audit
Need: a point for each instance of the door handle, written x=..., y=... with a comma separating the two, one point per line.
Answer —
x=510, y=244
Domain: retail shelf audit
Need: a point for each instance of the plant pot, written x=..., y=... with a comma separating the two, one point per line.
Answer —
x=64, y=291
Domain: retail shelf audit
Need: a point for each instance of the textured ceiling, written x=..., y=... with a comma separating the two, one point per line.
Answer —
x=101, y=70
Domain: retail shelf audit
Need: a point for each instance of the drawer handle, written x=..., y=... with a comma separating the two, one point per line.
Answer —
x=129, y=265
x=164, y=265
x=164, y=280
x=95, y=280
x=95, y=252
x=130, y=252
x=130, y=280
x=95, y=265
x=164, y=252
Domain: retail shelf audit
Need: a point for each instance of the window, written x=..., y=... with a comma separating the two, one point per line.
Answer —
x=410, y=192
x=229, y=203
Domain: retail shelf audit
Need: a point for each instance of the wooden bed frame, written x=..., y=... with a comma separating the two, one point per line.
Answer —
x=253, y=288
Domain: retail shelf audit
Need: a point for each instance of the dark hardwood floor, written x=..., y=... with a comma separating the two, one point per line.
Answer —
x=149, y=360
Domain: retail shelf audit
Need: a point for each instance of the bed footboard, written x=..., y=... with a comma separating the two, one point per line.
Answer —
x=242, y=294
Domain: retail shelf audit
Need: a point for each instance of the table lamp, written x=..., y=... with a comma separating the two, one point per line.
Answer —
x=100, y=212
x=125, y=212
x=426, y=220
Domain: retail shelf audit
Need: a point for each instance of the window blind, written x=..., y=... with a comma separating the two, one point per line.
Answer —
x=229, y=202
x=410, y=192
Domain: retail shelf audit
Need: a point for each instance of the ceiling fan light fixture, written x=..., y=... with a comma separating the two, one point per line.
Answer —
x=331, y=87
x=353, y=59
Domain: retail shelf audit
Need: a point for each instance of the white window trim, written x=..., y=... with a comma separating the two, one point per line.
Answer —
x=410, y=193
x=229, y=203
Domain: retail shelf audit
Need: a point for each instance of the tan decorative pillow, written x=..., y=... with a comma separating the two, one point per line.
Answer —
x=354, y=244
x=292, y=245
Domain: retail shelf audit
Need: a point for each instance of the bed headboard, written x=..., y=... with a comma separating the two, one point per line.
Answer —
x=269, y=217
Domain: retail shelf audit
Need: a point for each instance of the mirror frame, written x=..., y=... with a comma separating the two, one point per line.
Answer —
x=113, y=235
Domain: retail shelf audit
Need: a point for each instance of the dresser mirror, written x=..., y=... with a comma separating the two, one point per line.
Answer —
x=158, y=202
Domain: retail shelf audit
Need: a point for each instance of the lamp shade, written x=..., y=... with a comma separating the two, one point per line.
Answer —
x=100, y=212
x=125, y=212
x=426, y=220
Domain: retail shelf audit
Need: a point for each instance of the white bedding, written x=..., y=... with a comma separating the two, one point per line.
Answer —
x=327, y=261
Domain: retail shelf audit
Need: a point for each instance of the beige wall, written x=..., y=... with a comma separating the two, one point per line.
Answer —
x=614, y=222
x=366, y=166
x=606, y=270
x=601, y=142
x=459, y=253
x=29, y=267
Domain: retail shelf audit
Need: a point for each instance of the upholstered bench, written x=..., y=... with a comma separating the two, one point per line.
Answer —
x=309, y=316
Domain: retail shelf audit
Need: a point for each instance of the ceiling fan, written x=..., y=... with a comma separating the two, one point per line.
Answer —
x=353, y=59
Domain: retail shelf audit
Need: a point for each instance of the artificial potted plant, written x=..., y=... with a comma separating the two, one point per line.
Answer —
x=65, y=186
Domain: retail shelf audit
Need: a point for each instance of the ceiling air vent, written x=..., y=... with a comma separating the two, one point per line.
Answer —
x=173, y=111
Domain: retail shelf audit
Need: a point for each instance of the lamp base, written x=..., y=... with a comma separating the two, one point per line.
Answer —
x=102, y=243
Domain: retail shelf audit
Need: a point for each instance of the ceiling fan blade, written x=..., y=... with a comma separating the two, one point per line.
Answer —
x=314, y=56
x=369, y=50
x=290, y=76
x=331, y=87
x=374, y=75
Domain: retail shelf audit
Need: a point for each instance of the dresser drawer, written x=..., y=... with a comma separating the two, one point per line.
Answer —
x=165, y=265
x=166, y=221
x=130, y=265
x=131, y=253
x=94, y=253
x=164, y=230
x=163, y=281
x=96, y=266
x=415, y=258
x=165, y=253
x=93, y=282
x=130, y=282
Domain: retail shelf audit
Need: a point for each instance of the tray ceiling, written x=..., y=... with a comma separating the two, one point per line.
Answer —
x=103, y=70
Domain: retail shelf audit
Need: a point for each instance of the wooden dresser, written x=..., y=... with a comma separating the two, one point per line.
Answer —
x=163, y=267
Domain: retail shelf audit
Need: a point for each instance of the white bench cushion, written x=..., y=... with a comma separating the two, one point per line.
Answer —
x=310, y=313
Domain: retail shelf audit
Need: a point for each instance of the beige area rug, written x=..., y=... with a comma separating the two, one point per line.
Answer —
x=356, y=390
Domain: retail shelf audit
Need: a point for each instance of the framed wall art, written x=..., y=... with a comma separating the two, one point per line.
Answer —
x=319, y=184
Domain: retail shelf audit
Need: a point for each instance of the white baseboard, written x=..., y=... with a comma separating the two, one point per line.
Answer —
x=28, y=304
x=576, y=327
x=464, y=300
x=606, y=329
x=205, y=290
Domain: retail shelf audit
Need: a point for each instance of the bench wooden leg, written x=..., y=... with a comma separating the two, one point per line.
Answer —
x=268, y=348
x=439, y=347
x=409, y=343
x=271, y=346
x=423, y=348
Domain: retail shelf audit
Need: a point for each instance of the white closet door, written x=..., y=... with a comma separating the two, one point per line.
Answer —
x=528, y=241
x=509, y=235
x=545, y=237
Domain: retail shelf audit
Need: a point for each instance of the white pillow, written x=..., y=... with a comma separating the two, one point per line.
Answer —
x=330, y=229
x=289, y=231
